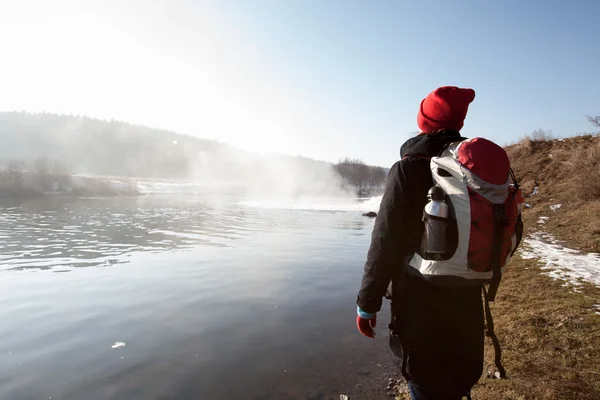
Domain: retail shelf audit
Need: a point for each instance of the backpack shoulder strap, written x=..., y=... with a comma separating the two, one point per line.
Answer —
x=445, y=147
x=500, y=221
x=489, y=331
x=417, y=156
x=440, y=153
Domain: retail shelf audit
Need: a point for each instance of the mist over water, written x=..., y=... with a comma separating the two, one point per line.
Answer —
x=43, y=149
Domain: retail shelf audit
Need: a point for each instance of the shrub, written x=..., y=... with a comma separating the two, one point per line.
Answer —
x=585, y=167
x=540, y=135
x=530, y=144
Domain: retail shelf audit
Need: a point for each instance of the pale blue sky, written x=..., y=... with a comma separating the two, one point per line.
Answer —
x=321, y=78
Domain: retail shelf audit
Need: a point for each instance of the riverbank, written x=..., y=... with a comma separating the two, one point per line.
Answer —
x=19, y=185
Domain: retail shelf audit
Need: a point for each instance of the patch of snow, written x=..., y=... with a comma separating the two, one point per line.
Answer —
x=555, y=207
x=535, y=191
x=550, y=155
x=543, y=220
x=118, y=345
x=527, y=205
x=560, y=262
x=597, y=307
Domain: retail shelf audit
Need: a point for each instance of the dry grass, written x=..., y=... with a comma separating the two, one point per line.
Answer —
x=565, y=172
x=550, y=338
x=585, y=165
x=532, y=143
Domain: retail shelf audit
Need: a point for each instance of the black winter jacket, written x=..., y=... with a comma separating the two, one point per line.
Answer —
x=441, y=329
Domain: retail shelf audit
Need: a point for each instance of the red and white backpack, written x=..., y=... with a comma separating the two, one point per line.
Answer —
x=484, y=222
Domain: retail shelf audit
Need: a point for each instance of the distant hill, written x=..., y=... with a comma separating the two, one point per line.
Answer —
x=96, y=147
x=105, y=147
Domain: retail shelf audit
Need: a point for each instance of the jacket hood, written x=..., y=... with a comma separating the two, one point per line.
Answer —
x=429, y=145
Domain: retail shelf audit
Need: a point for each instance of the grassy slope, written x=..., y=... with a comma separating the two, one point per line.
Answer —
x=549, y=334
x=567, y=172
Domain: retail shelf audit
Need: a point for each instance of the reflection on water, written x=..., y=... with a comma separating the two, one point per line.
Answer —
x=214, y=298
x=101, y=232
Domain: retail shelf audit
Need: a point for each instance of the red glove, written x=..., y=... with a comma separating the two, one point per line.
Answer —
x=365, y=326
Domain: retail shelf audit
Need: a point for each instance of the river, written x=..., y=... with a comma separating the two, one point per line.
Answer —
x=184, y=297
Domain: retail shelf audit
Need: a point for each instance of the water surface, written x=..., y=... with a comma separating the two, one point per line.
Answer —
x=214, y=298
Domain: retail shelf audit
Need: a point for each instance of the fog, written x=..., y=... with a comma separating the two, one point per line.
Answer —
x=93, y=147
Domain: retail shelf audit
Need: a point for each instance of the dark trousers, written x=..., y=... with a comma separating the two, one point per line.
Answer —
x=416, y=393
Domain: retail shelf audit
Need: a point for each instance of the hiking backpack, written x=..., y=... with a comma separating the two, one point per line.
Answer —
x=482, y=226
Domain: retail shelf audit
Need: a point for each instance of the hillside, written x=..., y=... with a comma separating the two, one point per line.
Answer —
x=546, y=317
x=562, y=174
x=100, y=147
x=111, y=148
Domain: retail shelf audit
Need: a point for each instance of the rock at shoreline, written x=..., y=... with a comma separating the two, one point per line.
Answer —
x=370, y=214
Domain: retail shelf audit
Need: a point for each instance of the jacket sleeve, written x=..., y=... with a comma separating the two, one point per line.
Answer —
x=388, y=247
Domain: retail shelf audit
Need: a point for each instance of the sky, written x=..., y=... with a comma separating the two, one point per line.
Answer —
x=319, y=78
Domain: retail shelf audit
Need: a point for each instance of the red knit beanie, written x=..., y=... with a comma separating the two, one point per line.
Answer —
x=444, y=108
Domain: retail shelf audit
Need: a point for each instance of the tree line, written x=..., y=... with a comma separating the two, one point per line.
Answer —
x=356, y=173
x=22, y=178
x=112, y=148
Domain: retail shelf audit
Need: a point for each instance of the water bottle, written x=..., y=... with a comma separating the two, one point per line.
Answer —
x=436, y=222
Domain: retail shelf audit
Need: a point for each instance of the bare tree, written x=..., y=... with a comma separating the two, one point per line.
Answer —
x=13, y=176
x=376, y=177
x=540, y=135
x=360, y=175
x=15, y=166
x=595, y=122
x=58, y=168
x=41, y=166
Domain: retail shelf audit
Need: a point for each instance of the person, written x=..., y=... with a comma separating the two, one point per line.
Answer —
x=438, y=331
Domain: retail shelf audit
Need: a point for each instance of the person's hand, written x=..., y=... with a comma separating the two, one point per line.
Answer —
x=365, y=326
x=366, y=322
